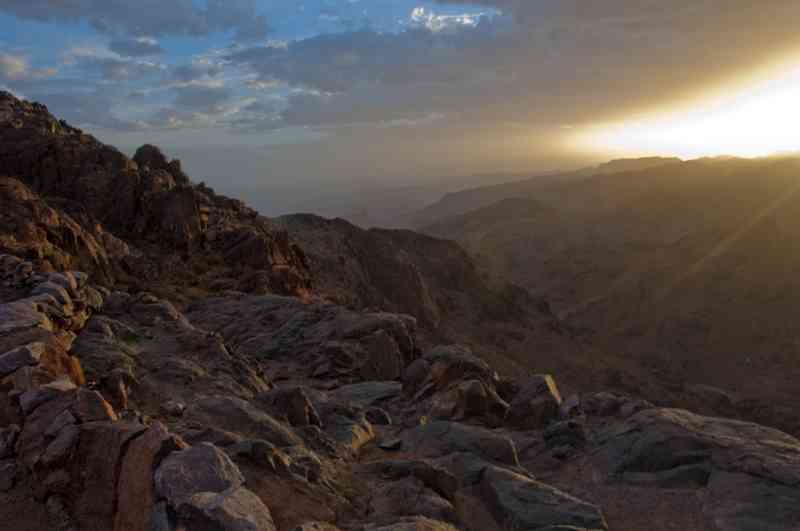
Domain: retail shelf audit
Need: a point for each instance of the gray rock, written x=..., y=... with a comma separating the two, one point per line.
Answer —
x=201, y=468
x=17, y=358
x=236, y=509
x=521, y=503
x=366, y=394
x=441, y=438
x=239, y=416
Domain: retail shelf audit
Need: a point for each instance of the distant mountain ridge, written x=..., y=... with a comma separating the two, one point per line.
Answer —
x=471, y=199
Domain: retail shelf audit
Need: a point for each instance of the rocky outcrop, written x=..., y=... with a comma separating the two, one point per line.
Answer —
x=149, y=202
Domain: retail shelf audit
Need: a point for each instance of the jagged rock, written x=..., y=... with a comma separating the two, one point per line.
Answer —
x=521, y=503
x=201, y=468
x=433, y=475
x=235, y=509
x=136, y=509
x=18, y=358
x=536, y=404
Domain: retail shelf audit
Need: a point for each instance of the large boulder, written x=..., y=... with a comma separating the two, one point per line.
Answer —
x=521, y=503
x=440, y=438
x=201, y=468
x=235, y=509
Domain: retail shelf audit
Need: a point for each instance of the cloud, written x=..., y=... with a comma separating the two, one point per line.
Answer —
x=139, y=47
x=87, y=110
x=200, y=98
x=13, y=67
x=153, y=18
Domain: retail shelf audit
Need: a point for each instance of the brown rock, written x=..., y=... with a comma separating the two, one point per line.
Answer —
x=137, y=496
x=95, y=472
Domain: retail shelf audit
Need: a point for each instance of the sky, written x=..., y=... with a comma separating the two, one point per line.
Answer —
x=301, y=98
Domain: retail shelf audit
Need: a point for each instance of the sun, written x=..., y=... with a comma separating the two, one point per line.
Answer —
x=755, y=118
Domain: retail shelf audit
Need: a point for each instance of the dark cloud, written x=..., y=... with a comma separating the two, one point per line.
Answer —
x=550, y=62
x=148, y=17
x=140, y=47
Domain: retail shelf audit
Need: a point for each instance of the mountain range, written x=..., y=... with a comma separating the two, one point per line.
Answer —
x=172, y=360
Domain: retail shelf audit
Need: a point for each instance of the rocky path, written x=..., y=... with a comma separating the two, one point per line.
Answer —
x=268, y=413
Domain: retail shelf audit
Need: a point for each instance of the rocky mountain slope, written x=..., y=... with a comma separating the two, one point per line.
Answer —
x=217, y=402
x=687, y=271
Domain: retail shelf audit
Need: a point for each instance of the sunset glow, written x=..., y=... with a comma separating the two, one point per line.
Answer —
x=755, y=118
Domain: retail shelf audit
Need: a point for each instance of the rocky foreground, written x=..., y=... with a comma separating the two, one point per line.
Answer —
x=232, y=395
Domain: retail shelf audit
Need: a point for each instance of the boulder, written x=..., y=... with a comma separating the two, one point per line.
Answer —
x=235, y=509
x=239, y=416
x=520, y=503
x=201, y=468
x=20, y=357
x=136, y=507
x=441, y=438
x=8, y=475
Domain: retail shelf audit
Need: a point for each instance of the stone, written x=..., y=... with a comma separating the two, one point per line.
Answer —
x=235, y=509
x=30, y=400
x=535, y=405
x=238, y=416
x=95, y=472
x=441, y=438
x=20, y=357
x=520, y=503
x=201, y=468
x=137, y=505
